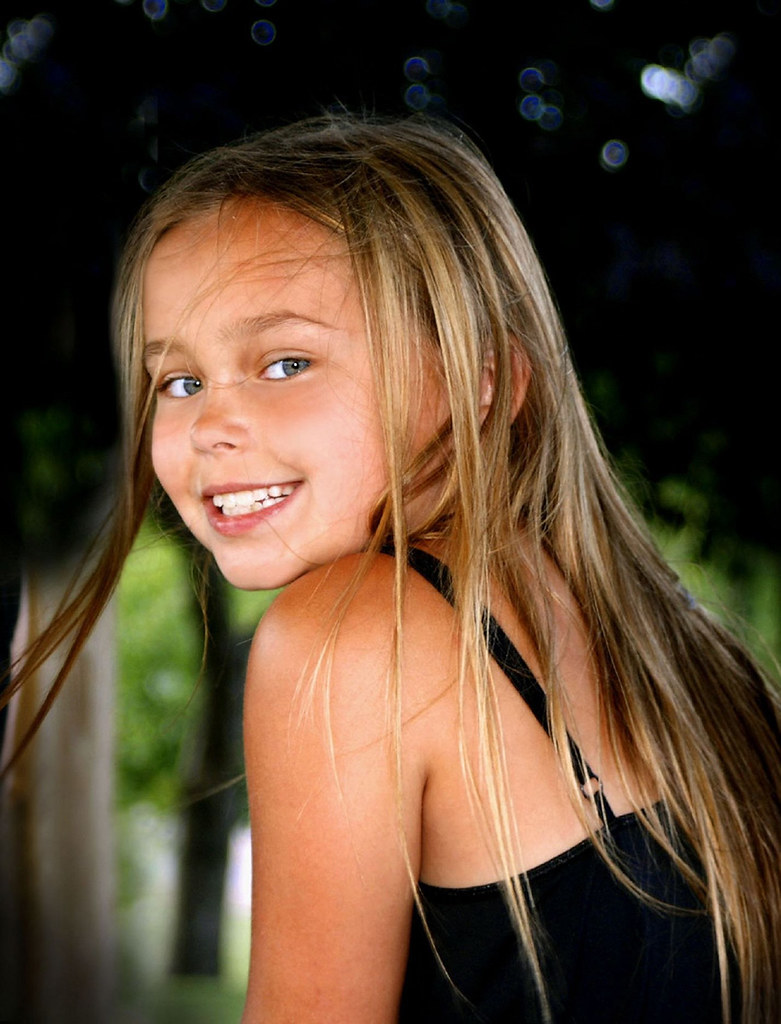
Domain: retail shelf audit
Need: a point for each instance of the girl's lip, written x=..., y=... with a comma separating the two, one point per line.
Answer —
x=243, y=522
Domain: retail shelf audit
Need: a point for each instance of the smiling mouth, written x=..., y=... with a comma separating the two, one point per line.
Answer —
x=241, y=503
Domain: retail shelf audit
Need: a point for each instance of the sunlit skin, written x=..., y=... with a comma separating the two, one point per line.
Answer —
x=257, y=347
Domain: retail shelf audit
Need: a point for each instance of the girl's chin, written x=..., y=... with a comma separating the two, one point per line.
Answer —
x=243, y=575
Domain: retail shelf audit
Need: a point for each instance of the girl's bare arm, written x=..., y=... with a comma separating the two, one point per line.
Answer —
x=332, y=897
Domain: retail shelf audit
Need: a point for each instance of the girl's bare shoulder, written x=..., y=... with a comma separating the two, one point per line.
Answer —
x=357, y=594
x=345, y=612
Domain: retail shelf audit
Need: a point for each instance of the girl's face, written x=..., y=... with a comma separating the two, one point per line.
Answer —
x=266, y=433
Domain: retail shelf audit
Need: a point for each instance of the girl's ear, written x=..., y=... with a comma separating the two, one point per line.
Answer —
x=521, y=374
x=487, y=384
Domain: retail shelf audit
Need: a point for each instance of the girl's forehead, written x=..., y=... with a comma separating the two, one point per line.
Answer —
x=243, y=233
x=243, y=262
x=245, y=253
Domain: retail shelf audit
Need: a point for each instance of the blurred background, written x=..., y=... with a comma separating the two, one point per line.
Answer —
x=639, y=140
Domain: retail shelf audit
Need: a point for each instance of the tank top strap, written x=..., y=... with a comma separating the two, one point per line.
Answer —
x=512, y=664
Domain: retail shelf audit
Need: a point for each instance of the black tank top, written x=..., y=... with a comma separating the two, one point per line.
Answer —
x=607, y=956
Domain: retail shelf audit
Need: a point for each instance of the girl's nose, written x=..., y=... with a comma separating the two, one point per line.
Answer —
x=220, y=424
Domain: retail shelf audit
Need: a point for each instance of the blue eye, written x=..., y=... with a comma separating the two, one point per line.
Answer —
x=284, y=368
x=182, y=387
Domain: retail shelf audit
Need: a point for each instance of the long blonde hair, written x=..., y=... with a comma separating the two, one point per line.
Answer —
x=446, y=268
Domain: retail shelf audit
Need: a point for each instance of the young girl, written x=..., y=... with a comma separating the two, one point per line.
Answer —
x=500, y=767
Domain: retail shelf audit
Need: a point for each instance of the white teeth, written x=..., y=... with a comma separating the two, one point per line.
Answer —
x=239, y=503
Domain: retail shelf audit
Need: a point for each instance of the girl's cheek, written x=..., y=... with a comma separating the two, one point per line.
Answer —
x=165, y=444
x=168, y=429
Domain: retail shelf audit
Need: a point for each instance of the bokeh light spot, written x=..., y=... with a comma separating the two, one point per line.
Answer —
x=155, y=10
x=613, y=155
x=530, y=108
x=416, y=69
x=148, y=179
x=669, y=86
x=417, y=97
x=265, y=3
x=426, y=89
x=27, y=39
x=550, y=118
x=213, y=5
x=549, y=70
x=602, y=5
x=19, y=45
x=455, y=15
x=263, y=32
x=709, y=57
x=681, y=90
x=25, y=43
x=531, y=79
x=40, y=30
x=9, y=76
x=541, y=104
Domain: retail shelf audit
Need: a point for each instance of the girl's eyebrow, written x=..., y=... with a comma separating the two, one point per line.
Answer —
x=242, y=327
x=266, y=321
x=157, y=348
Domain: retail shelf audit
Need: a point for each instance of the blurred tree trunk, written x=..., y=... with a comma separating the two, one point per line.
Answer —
x=57, y=940
x=212, y=802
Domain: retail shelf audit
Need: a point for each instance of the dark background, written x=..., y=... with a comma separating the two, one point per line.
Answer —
x=666, y=268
